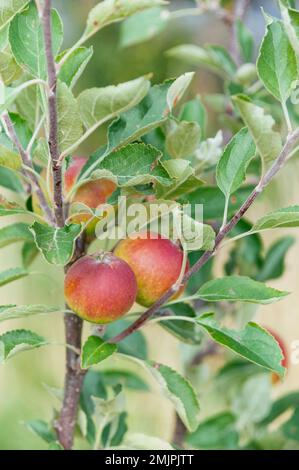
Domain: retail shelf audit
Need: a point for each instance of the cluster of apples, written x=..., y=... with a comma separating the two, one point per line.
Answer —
x=103, y=287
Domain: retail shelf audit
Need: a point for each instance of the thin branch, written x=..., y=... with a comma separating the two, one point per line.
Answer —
x=53, y=119
x=29, y=173
x=274, y=169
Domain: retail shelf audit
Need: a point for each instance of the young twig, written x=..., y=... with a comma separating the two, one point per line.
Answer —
x=26, y=160
x=73, y=324
x=53, y=119
x=291, y=141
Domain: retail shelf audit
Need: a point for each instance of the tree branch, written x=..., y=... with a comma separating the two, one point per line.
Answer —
x=274, y=169
x=26, y=160
x=73, y=324
x=53, y=120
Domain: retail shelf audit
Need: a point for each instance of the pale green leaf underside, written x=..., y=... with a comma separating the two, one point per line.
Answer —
x=11, y=208
x=268, y=141
x=11, y=275
x=15, y=233
x=183, y=139
x=184, y=179
x=239, y=288
x=74, y=66
x=95, y=350
x=70, y=127
x=16, y=341
x=8, y=9
x=281, y=218
x=179, y=391
x=9, y=158
x=98, y=105
x=11, y=312
x=56, y=244
x=112, y=11
x=143, y=26
x=253, y=343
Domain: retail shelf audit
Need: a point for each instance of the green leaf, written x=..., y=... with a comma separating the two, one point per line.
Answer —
x=9, y=180
x=150, y=113
x=216, y=432
x=214, y=57
x=41, y=151
x=245, y=40
x=184, y=179
x=134, y=345
x=70, y=127
x=114, y=432
x=185, y=331
x=99, y=105
x=74, y=66
x=12, y=274
x=290, y=19
x=9, y=69
x=29, y=253
x=252, y=402
x=143, y=26
x=253, y=343
x=178, y=88
x=11, y=208
x=8, y=9
x=274, y=262
x=11, y=312
x=280, y=406
x=112, y=11
x=213, y=200
x=95, y=350
x=15, y=233
x=179, y=391
x=268, y=141
x=27, y=40
x=55, y=445
x=239, y=288
x=277, y=62
x=222, y=59
x=183, y=139
x=26, y=103
x=231, y=168
x=281, y=218
x=16, y=341
x=142, y=166
x=194, y=111
x=9, y=158
x=126, y=378
x=56, y=244
x=42, y=429
x=291, y=427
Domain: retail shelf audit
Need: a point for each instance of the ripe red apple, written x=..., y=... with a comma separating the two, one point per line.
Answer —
x=285, y=362
x=100, y=288
x=156, y=262
x=92, y=194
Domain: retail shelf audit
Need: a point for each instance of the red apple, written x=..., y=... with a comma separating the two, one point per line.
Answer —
x=156, y=262
x=92, y=194
x=100, y=288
